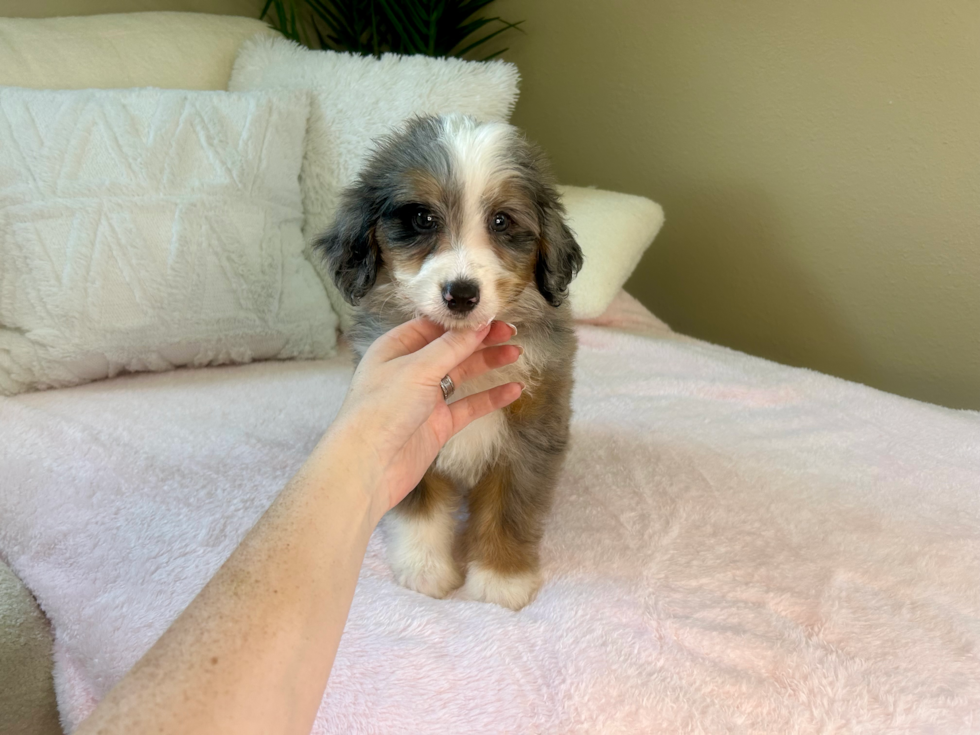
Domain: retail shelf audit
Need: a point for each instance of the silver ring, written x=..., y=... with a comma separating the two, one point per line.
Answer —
x=448, y=387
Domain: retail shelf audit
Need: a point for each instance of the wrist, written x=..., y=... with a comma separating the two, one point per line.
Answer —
x=355, y=468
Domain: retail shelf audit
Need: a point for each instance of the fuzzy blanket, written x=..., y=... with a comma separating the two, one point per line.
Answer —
x=736, y=546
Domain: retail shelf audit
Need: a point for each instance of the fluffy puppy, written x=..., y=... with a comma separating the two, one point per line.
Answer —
x=459, y=221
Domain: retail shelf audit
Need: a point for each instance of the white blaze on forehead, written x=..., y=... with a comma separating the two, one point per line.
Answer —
x=480, y=156
x=480, y=160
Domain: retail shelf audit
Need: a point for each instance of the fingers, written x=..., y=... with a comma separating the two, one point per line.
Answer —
x=469, y=409
x=414, y=335
x=443, y=354
x=500, y=332
x=407, y=338
x=482, y=361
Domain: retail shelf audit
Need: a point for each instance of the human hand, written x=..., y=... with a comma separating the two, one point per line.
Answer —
x=394, y=410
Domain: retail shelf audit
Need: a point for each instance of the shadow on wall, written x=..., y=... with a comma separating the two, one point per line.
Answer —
x=719, y=272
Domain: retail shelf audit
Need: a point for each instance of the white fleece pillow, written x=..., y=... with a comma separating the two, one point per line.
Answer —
x=357, y=99
x=613, y=230
x=146, y=229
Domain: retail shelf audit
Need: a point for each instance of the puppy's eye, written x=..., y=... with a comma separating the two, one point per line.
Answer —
x=499, y=222
x=423, y=220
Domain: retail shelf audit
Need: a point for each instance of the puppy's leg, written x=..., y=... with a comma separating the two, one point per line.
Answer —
x=507, y=512
x=420, y=533
x=509, y=505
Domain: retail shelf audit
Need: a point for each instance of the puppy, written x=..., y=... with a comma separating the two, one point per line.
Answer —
x=460, y=222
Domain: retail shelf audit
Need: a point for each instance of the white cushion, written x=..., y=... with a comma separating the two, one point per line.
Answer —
x=614, y=230
x=358, y=99
x=167, y=50
x=146, y=229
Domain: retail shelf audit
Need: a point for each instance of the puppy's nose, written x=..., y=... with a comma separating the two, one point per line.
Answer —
x=462, y=296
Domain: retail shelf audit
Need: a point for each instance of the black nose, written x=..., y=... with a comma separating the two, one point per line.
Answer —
x=461, y=296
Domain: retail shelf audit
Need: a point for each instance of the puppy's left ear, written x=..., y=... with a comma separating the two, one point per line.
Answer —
x=559, y=255
x=349, y=248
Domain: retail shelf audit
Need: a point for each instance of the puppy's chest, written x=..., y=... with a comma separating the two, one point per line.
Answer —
x=467, y=455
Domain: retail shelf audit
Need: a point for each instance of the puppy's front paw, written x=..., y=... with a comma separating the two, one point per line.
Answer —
x=429, y=575
x=421, y=553
x=507, y=590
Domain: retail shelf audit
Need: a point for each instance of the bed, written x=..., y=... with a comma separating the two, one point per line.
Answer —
x=736, y=546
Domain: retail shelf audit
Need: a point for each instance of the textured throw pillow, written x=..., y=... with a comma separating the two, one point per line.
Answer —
x=614, y=231
x=357, y=99
x=146, y=229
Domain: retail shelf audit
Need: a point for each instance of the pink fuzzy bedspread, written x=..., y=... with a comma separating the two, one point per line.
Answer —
x=736, y=546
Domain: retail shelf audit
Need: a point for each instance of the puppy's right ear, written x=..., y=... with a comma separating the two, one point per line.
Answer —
x=349, y=247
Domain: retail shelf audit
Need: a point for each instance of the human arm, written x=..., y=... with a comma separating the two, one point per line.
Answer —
x=253, y=651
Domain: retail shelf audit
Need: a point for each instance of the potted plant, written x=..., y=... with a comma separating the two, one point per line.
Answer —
x=373, y=27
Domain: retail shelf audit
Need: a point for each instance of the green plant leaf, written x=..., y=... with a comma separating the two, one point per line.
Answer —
x=495, y=54
x=456, y=38
x=484, y=39
x=327, y=14
x=319, y=34
x=408, y=35
x=347, y=23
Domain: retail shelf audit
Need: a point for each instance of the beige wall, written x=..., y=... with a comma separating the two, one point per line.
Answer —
x=819, y=164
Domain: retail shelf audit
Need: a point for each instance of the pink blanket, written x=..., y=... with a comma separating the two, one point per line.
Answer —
x=736, y=546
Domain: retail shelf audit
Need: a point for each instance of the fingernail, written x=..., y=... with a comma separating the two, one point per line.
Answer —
x=522, y=387
x=512, y=327
x=520, y=351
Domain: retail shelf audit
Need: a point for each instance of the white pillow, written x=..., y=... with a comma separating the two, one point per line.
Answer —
x=146, y=229
x=169, y=50
x=614, y=230
x=357, y=99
